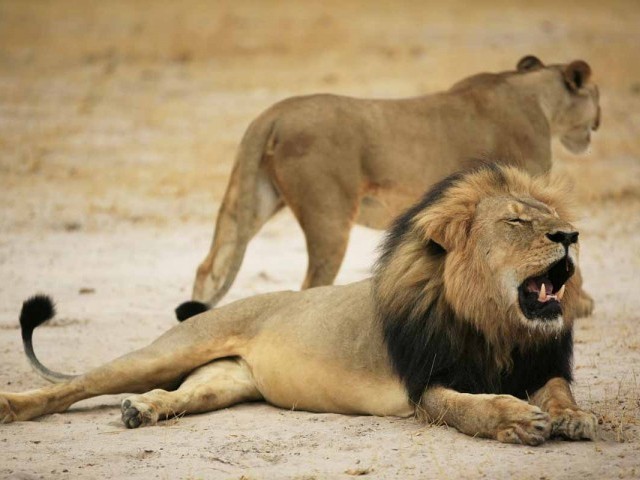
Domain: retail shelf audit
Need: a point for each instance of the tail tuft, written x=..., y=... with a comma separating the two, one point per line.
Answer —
x=35, y=311
x=189, y=309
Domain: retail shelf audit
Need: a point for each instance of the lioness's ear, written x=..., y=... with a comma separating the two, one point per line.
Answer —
x=529, y=63
x=576, y=74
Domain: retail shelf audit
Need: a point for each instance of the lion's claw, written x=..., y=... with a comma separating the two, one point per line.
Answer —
x=523, y=424
x=519, y=435
x=574, y=424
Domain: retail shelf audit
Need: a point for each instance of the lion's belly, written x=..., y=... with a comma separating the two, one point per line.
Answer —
x=294, y=379
x=323, y=351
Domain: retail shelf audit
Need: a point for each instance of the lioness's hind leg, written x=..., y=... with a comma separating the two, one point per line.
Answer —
x=326, y=248
x=213, y=386
x=326, y=223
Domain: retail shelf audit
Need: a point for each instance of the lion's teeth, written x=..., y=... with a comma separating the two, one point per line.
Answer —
x=561, y=292
x=542, y=296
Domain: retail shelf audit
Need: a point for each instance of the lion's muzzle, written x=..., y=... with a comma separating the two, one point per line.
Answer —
x=540, y=296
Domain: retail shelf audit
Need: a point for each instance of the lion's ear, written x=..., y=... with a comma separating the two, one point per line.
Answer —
x=576, y=74
x=448, y=227
x=529, y=63
x=436, y=239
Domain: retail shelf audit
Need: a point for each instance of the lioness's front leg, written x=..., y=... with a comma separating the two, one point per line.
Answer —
x=567, y=419
x=583, y=304
x=501, y=417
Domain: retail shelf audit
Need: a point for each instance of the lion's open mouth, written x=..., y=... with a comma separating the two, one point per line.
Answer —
x=540, y=296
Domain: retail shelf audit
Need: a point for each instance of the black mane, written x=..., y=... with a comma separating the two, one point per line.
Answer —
x=433, y=347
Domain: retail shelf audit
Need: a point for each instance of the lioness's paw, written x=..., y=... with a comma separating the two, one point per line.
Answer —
x=7, y=415
x=521, y=422
x=136, y=413
x=584, y=305
x=574, y=424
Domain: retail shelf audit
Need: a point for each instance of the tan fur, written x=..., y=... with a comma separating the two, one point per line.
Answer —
x=464, y=223
x=323, y=349
x=336, y=161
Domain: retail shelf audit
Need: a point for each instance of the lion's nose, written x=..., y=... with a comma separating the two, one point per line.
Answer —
x=565, y=238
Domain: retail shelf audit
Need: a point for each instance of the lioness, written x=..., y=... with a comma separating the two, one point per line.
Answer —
x=463, y=323
x=337, y=160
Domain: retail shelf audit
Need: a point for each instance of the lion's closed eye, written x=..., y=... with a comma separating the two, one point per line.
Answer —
x=517, y=221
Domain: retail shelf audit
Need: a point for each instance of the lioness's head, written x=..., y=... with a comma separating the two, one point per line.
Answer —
x=571, y=99
x=492, y=248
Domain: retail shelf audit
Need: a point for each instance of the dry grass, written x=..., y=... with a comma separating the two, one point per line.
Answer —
x=132, y=110
x=620, y=411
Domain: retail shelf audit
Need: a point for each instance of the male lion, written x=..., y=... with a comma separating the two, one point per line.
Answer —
x=463, y=324
x=337, y=160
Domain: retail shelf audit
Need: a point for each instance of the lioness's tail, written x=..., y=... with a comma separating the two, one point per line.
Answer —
x=36, y=311
x=250, y=200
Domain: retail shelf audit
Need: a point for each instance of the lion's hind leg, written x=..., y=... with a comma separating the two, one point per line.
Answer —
x=501, y=417
x=163, y=363
x=218, y=384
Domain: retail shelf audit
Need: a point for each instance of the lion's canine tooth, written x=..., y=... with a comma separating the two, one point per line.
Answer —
x=542, y=296
x=560, y=292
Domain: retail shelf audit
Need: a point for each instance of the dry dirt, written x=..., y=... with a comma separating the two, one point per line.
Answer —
x=118, y=125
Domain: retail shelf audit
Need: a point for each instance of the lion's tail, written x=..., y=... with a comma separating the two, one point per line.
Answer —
x=36, y=311
x=250, y=200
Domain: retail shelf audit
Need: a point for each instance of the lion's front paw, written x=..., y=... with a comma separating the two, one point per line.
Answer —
x=574, y=424
x=7, y=415
x=136, y=413
x=522, y=423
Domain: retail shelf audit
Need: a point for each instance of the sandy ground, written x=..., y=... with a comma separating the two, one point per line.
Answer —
x=118, y=124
